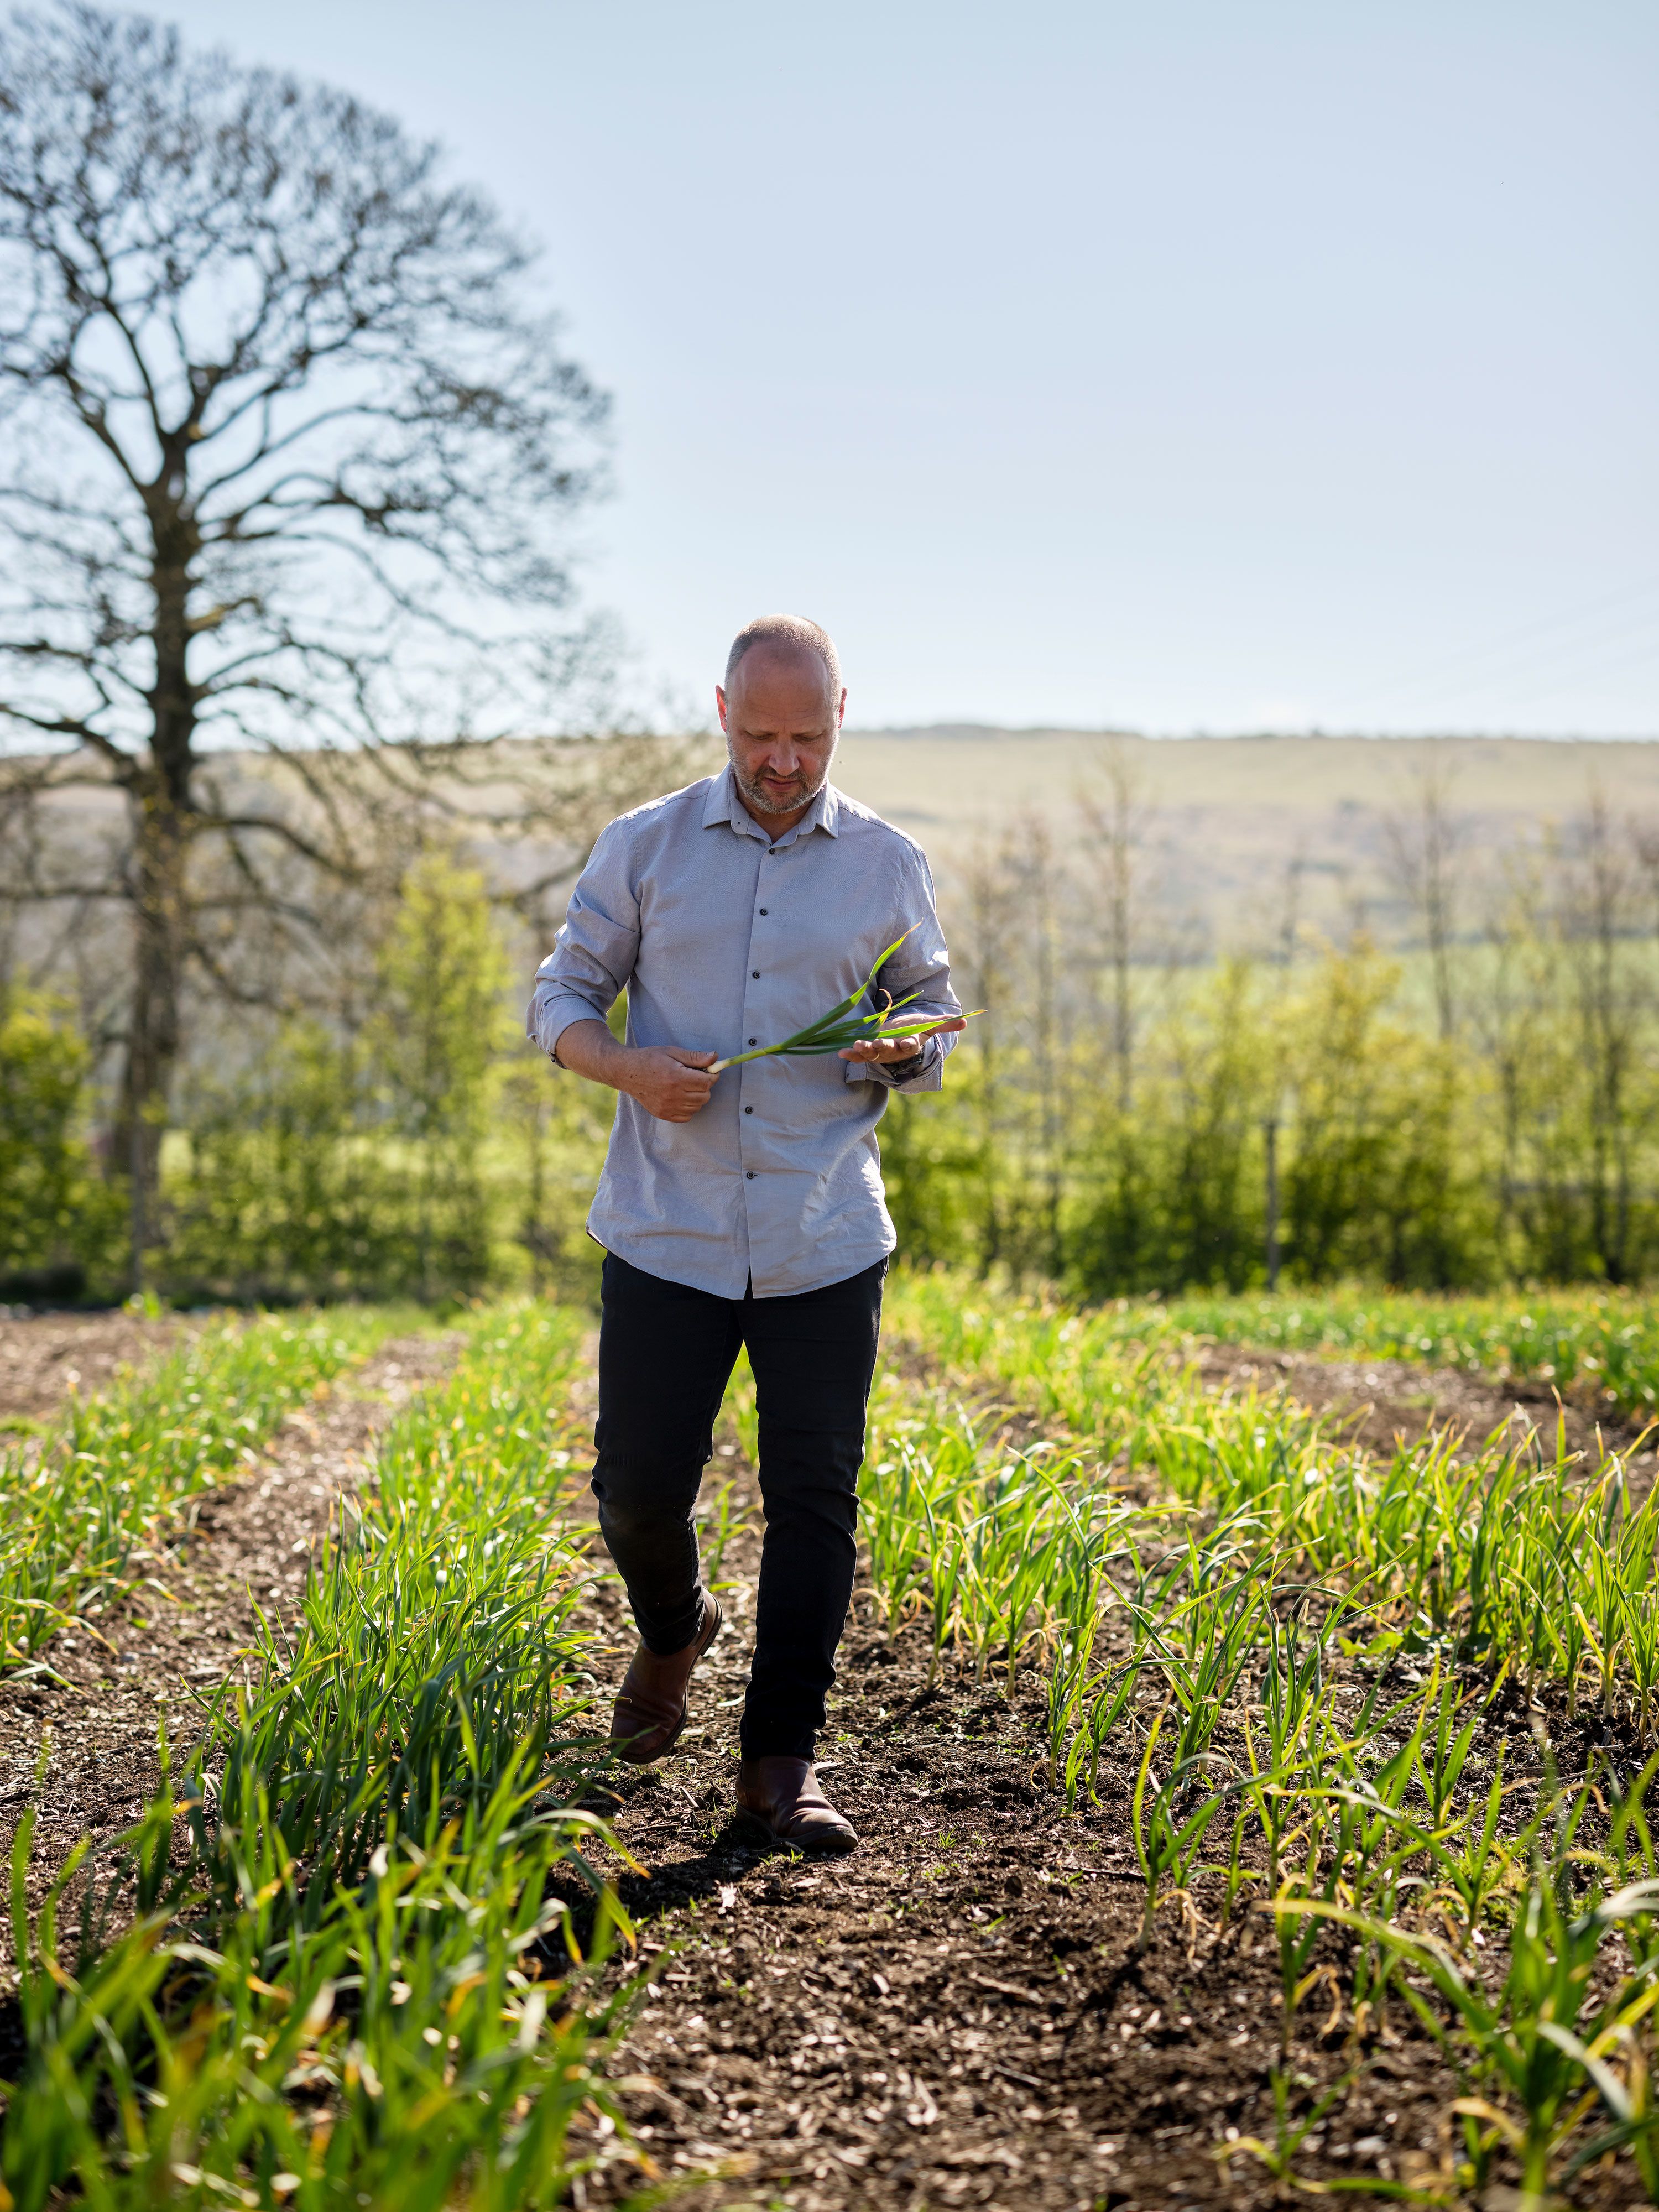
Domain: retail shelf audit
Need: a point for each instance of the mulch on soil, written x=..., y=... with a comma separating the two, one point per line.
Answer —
x=1376, y=1401
x=958, y=2014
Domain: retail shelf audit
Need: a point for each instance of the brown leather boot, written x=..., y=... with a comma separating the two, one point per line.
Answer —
x=781, y=1796
x=650, y=1708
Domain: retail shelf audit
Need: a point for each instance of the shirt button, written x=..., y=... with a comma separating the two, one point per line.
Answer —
x=763, y=909
x=749, y=1175
x=755, y=972
x=748, y=1109
x=754, y=1040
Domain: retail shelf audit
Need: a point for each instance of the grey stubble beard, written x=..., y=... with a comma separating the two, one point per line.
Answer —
x=762, y=802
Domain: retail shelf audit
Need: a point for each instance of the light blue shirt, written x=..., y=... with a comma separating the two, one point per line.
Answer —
x=722, y=939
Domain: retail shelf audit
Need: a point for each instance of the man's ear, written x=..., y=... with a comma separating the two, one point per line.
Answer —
x=841, y=711
x=720, y=701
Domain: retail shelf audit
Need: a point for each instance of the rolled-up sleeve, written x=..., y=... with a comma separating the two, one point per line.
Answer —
x=921, y=965
x=593, y=954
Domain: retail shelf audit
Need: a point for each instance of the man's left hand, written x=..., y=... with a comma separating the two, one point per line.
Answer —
x=886, y=1049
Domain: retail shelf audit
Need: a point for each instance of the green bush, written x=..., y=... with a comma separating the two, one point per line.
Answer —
x=336, y=1165
x=60, y=1225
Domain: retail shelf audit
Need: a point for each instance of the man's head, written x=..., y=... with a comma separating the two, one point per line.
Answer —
x=781, y=707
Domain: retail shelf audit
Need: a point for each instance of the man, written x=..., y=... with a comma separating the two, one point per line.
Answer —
x=746, y=1208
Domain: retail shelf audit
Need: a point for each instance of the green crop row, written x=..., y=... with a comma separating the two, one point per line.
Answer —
x=1302, y=1650
x=1605, y=1342
x=90, y=1508
x=355, y=1958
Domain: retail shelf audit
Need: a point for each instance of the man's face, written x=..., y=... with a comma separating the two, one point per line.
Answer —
x=781, y=720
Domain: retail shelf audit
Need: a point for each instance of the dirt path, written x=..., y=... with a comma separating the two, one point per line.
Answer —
x=156, y=1655
x=954, y=2014
x=44, y=1355
x=1374, y=1402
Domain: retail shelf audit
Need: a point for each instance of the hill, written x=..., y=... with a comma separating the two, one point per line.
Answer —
x=1227, y=817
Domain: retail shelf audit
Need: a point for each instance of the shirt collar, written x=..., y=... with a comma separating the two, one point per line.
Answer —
x=723, y=805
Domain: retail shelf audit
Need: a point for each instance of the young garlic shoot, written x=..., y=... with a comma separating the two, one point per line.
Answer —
x=842, y=1026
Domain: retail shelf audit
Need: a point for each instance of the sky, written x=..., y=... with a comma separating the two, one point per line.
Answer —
x=1186, y=368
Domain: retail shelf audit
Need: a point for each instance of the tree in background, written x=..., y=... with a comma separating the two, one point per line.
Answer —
x=345, y=1159
x=1613, y=987
x=988, y=957
x=1113, y=807
x=286, y=450
x=437, y=1038
x=1425, y=839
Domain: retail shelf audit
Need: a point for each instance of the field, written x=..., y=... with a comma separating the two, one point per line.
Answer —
x=1249, y=1708
x=1227, y=816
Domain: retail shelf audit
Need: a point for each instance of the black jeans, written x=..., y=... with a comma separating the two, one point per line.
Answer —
x=665, y=1353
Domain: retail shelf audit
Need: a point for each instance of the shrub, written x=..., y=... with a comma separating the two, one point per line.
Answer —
x=60, y=1225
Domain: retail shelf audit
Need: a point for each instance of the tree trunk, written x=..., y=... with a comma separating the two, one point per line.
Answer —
x=160, y=845
x=162, y=808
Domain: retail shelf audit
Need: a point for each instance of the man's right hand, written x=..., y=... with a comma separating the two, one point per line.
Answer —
x=670, y=1083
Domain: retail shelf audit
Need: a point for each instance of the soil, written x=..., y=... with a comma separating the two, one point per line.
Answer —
x=43, y=1356
x=959, y=2013
x=1376, y=1402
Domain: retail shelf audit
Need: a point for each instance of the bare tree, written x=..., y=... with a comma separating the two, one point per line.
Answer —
x=985, y=927
x=1602, y=921
x=286, y=455
x=1117, y=814
x=1036, y=871
x=1425, y=839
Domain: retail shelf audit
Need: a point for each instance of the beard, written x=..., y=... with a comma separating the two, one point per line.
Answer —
x=801, y=790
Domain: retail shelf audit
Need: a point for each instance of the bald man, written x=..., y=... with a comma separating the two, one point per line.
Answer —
x=744, y=1209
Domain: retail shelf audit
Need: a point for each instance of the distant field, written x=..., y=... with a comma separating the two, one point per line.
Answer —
x=1226, y=818
x=1231, y=814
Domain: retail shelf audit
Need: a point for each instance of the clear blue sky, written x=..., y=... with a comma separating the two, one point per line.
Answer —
x=1188, y=366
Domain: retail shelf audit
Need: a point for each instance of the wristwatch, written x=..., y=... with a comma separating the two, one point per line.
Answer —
x=900, y=1071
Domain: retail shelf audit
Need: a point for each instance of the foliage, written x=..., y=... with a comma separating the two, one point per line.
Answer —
x=55, y=1213
x=1396, y=1157
x=359, y=1162
x=1605, y=1342
x=436, y=1651
x=1215, y=1126
x=930, y=1164
x=400, y=2052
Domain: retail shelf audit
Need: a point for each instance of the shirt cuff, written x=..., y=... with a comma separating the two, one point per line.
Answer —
x=551, y=1016
x=930, y=1076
